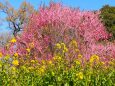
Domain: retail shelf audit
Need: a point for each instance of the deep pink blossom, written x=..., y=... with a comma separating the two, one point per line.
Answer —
x=58, y=23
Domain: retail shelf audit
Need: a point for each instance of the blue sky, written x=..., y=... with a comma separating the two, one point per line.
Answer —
x=82, y=4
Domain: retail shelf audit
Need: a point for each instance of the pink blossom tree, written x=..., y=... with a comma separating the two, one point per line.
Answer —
x=57, y=23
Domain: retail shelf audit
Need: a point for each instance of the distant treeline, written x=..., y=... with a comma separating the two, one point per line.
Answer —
x=108, y=18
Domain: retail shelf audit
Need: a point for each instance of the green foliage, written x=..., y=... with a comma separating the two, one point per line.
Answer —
x=108, y=17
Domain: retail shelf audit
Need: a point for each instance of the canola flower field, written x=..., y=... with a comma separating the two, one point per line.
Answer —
x=58, y=71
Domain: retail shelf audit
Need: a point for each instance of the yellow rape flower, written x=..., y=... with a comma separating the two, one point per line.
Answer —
x=80, y=56
x=74, y=43
x=62, y=44
x=13, y=40
x=32, y=61
x=43, y=61
x=77, y=50
x=80, y=75
x=94, y=57
x=50, y=62
x=42, y=69
x=65, y=50
x=102, y=63
x=28, y=50
x=16, y=54
x=58, y=46
x=1, y=55
x=57, y=58
x=77, y=62
x=15, y=62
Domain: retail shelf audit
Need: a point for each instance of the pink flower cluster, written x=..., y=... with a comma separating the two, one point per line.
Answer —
x=57, y=23
x=86, y=23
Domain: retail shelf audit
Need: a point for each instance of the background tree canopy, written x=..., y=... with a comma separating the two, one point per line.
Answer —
x=108, y=17
x=16, y=18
